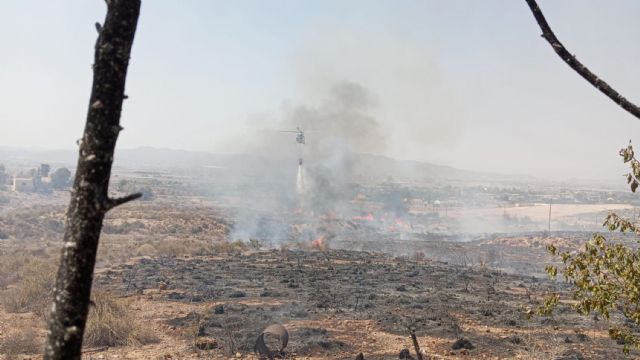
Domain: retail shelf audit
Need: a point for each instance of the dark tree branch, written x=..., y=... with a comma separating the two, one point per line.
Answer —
x=89, y=199
x=416, y=346
x=577, y=66
x=111, y=203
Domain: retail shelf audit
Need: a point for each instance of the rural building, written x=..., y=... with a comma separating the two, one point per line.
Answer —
x=21, y=184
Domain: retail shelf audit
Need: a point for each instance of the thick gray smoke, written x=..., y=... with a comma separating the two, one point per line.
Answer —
x=344, y=120
x=336, y=130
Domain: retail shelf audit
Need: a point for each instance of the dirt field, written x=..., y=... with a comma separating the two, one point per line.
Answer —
x=337, y=304
x=181, y=280
x=540, y=212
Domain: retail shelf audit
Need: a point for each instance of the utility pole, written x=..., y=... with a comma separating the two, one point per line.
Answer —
x=550, y=201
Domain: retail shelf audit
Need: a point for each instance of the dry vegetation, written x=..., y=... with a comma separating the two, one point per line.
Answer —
x=111, y=323
x=29, y=285
x=33, y=222
x=29, y=248
x=170, y=284
x=22, y=339
x=32, y=287
x=338, y=303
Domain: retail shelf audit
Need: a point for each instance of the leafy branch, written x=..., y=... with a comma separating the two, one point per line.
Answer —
x=629, y=157
x=605, y=275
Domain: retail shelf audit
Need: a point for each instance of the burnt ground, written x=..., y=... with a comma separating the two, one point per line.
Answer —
x=338, y=303
x=170, y=260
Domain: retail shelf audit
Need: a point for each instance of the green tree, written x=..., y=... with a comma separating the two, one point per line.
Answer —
x=606, y=274
x=147, y=194
x=3, y=176
x=60, y=178
x=123, y=185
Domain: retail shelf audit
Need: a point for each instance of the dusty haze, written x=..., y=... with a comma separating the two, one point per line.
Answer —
x=467, y=85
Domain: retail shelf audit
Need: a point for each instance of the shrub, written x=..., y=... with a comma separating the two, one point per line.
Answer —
x=146, y=250
x=34, y=290
x=125, y=227
x=110, y=323
x=177, y=247
x=22, y=340
x=226, y=247
x=10, y=268
x=605, y=276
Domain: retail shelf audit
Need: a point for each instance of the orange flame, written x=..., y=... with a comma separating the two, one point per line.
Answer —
x=399, y=225
x=319, y=243
x=369, y=217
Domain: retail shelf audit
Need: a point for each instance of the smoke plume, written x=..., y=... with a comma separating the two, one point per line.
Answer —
x=336, y=130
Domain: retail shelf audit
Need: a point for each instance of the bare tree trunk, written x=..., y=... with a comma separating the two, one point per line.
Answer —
x=576, y=65
x=89, y=197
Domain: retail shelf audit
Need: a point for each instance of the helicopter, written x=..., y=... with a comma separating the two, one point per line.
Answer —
x=300, y=135
x=299, y=139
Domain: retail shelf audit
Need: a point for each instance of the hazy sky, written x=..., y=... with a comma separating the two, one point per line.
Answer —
x=463, y=83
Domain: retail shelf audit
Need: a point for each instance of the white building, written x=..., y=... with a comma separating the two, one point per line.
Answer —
x=23, y=184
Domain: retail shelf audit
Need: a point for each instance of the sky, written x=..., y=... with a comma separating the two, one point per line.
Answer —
x=469, y=84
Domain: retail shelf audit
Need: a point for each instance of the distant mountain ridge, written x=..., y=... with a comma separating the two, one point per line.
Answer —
x=380, y=166
x=375, y=168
